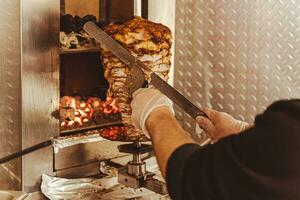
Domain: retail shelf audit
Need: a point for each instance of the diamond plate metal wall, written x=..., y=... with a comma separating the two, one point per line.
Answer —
x=237, y=56
x=10, y=107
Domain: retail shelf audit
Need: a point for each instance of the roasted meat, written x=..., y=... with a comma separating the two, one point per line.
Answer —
x=151, y=43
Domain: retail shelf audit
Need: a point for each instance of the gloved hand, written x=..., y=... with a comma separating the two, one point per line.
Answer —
x=144, y=101
x=220, y=124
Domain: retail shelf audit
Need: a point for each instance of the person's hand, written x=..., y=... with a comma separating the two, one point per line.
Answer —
x=220, y=124
x=144, y=101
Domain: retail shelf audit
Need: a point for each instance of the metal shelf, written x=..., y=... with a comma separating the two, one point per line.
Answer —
x=80, y=50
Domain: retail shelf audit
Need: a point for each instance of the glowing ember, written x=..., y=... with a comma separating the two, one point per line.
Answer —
x=75, y=112
x=70, y=123
x=82, y=105
x=113, y=133
x=96, y=103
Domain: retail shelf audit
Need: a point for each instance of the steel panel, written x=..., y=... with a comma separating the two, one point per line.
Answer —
x=10, y=107
x=237, y=56
x=69, y=159
x=40, y=85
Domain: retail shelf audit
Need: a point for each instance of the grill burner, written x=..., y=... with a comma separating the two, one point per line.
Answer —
x=80, y=113
x=75, y=112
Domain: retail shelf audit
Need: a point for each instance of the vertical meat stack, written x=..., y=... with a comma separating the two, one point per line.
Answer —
x=151, y=43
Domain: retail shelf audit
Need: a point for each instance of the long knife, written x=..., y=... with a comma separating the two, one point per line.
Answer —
x=176, y=97
x=136, y=71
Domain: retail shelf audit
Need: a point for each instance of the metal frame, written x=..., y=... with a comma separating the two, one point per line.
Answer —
x=104, y=10
x=40, y=85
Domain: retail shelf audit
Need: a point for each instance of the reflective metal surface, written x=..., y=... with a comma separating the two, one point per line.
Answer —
x=237, y=56
x=69, y=159
x=10, y=107
x=136, y=169
x=40, y=84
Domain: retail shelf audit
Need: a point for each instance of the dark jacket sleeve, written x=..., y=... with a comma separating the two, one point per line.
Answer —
x=260, y=163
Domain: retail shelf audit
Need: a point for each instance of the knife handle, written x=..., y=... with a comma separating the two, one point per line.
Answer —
x=146, y=84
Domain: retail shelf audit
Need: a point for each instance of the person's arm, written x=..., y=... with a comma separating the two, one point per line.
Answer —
x=219, y=125
x=153, y=113
x=260, y=163
x=166, y=135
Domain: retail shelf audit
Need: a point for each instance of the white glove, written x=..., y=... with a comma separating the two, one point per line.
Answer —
x=144, y=101
x=220, y=124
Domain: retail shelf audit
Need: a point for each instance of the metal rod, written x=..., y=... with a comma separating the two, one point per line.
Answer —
x=25, y=151
x=145, y=9
x=49, y=142
x=136, y=157
x=90, y=128
x=137, y=8
x=103, y=10
x=137, y=144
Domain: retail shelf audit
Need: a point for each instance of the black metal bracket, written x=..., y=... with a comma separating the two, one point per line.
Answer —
x=133, y=149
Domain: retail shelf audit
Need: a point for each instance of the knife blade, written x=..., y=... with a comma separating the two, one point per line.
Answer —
x=173, y=94
x=136, y=78
x=136, y=71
